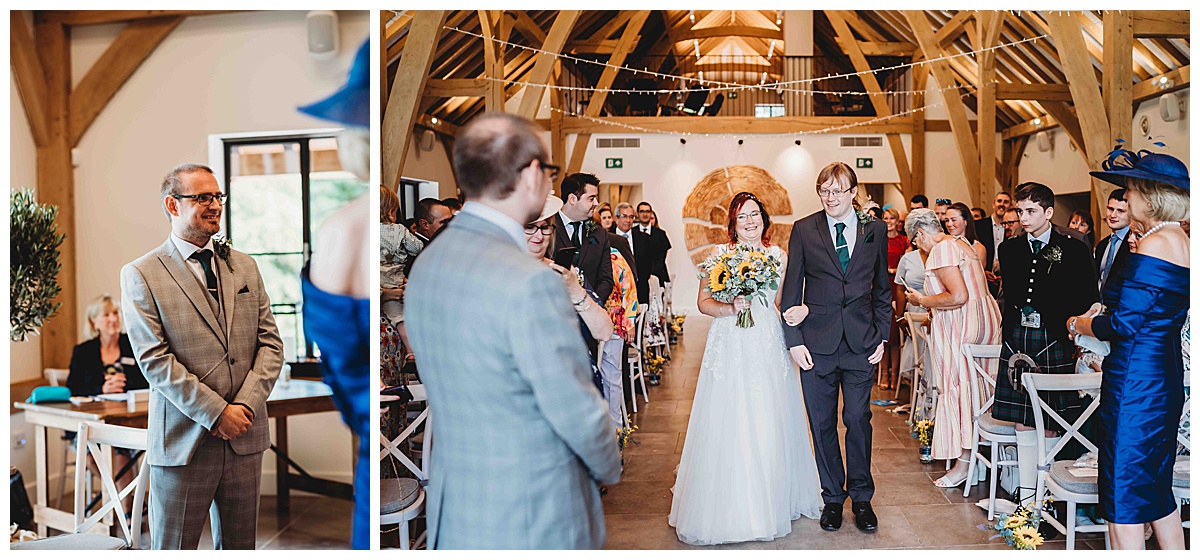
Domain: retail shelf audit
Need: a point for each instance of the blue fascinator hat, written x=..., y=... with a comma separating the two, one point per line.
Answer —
x=350, y=105
x=1144, y=164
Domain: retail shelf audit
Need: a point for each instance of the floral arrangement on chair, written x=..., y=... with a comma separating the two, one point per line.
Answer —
x=922, y=431
x=1019, y=529
x=624, y=433
x=655, y=363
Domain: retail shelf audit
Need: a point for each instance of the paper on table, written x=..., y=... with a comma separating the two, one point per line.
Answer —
x=1083, y=472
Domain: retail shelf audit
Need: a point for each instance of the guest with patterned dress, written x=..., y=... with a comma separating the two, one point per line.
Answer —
x=622, y=309
x=963, y=313
x=1141, y=397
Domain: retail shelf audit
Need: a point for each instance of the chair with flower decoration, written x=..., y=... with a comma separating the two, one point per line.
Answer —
x=986, y=429
x=637, y=371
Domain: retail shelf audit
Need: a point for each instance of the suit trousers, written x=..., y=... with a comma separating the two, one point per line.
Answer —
x=853, y=375
x=217, y=482
x=610, y=371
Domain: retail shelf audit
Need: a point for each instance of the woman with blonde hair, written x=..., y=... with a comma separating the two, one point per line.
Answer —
x=99, y=364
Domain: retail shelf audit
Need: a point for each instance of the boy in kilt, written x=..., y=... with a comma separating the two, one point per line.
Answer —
x=1047, y=278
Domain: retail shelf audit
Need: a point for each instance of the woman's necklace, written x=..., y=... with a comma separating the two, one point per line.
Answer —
x=1157, y=227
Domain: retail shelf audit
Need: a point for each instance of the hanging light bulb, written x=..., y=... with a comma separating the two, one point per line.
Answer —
x=692, y=15
x=779, y=18
x=771, y=49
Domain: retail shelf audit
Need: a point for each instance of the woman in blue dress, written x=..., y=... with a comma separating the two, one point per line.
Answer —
x=1141, y=396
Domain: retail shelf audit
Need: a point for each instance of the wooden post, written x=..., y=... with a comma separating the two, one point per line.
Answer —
x=1117, y=95
x=541, y=72
x=56, y=184
x=405, y=99
x=493, y=60
x=558, y=140
x=917, y=176
x=990, y=24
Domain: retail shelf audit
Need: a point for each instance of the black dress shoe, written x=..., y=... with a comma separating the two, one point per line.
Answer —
x=864, y=517
x=831, y=517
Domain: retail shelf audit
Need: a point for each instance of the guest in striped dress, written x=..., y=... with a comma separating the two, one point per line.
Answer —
x=963, y=313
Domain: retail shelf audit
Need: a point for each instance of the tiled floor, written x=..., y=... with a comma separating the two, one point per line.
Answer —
x=912, y=512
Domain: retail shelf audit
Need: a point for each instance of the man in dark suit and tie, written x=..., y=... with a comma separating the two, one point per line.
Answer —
x=991, y=233
x=837, y=266
x=639, y=244
x=577, y=229
x=1112, y=251
x=659, y=243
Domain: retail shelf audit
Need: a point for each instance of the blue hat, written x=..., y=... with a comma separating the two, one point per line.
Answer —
x=350, y=105
x=1122, y=163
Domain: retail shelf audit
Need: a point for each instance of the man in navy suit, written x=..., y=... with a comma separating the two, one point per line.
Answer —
x=837, y=266
x=1112, y=251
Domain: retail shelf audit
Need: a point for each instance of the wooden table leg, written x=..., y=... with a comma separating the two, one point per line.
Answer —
x=282, y=499
x=43, y=479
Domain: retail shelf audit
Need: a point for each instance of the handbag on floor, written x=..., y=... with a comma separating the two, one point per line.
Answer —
x=20, y=509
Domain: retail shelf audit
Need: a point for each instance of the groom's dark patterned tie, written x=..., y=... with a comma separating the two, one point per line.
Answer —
x=1037, y=245
x=843, y=248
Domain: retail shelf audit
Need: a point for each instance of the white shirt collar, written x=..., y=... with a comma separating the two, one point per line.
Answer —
x=510, y=226
x=851, y=220
x=644, y=228
x=187, y=249
x=1044, y=237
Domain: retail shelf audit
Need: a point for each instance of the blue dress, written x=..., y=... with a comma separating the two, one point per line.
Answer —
x=1141, y=396
x=340, y=327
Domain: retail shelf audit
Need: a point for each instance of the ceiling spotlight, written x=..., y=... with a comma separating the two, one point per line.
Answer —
x=1164, y=82
x=692, y=15
x=779, y=18
x=434, y=121
x=1037, y=121
x=683, y=140
x=797, y=142
x=740, y=141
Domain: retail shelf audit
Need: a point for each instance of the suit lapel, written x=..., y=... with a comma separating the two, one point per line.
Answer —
x=826, y=237
x=228, y=291
x=173, y=261
x=561, y=237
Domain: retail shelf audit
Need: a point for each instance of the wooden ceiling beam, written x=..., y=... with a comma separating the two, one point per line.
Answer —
x=407, y=89
x=1178, y=79
x=890, y=48
x=542, y=69
x=97, y=17
x=529, y=28
x=736, y=125
x=1033, y=92
x=855, y=22
x=493, y=62
x=29, y=77
x=1162, y=23
x=953, y=28
x=120, y=60
x=730, y=31
x=990, y=24
x=456, y=87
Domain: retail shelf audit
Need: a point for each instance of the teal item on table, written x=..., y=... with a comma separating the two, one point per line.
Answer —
x=49, y=394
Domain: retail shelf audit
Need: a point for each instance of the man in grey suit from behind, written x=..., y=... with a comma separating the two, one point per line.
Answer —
x=521, y=437
x=201, y=327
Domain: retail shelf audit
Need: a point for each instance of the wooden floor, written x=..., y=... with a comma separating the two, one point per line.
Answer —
x=912, y=512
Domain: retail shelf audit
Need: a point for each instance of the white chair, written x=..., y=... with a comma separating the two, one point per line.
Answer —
x=658, y=302
x=637, y=372
x=1060, y=478
x=98, y=439
x=1181, y=485
x=919, y=337
x=986, y=430
x=402, y=499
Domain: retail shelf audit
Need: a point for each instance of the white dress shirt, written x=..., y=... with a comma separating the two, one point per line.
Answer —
x=570, y=225
x=850, y=233
x=1044, y=238
x=187, y=249
x=628, y=235
x=510, y=226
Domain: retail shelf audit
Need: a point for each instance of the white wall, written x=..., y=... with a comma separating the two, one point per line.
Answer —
x=240, y=72
x=25, y=358
x=431, y=166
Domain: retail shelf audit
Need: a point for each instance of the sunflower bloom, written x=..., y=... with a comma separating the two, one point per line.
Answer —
x=1028, y=536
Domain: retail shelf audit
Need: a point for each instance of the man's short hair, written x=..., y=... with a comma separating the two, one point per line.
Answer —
x=621, y=206
x=491, y=152
x=575, y=183
x=839, y=172
x=646, y=204
x=1117, y=194
x=452, y=203
x=172, y=184
x=1038, y=193
x=920, y=199
x=424, y=209
x=1005, y=193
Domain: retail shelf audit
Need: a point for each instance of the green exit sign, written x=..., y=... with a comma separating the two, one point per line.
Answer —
x=614, y=163
x=864, y=163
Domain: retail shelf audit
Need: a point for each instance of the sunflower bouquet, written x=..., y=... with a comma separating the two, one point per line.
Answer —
x=741, y=271
x=1019, y=529
x=624, y=433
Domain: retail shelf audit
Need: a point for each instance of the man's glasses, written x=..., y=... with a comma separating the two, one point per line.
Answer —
x=205, y=199
x=942, y=201
x=553, y=169
x=625, y=217
x=1009, y=222
x=547, y=229
x=826, y=193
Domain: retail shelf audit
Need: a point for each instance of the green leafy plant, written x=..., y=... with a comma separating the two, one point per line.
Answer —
x=33, y=263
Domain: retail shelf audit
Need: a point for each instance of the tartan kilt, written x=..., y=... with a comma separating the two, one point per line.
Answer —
x=1012, y=403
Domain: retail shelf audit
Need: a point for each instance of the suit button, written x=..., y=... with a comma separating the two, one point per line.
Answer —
x=845, y=305
x=232, y=361
x=845, y=282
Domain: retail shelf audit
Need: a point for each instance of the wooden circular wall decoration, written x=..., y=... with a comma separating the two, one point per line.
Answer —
x=709, y=203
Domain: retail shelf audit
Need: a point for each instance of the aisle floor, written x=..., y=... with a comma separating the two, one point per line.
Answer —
x=912, y=512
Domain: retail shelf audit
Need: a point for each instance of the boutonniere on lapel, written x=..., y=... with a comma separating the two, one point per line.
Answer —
x=864, y=219
x=590, y=227
x=1053, y=255
x=221, y=247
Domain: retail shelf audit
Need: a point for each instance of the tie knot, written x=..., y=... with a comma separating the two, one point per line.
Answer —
x=203, y=255
x=1037, y=245
x=840, y=227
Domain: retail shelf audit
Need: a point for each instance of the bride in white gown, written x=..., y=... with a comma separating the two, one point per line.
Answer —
x=748, y=467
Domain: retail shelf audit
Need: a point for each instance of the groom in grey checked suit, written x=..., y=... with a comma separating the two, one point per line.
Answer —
x=521, y=437
x=201, y=327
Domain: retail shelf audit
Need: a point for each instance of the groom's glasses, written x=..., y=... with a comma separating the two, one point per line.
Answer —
x=827, y=193
x=205, y=199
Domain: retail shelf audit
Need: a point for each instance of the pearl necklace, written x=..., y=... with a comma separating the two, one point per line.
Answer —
x=1157, y=227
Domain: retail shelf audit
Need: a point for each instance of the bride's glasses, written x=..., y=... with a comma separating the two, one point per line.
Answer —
x=743, y=218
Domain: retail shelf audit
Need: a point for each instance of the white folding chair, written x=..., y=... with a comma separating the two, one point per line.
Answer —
x=637, y=372
x=986, y=430
x=918, y=336
x=402, y=499
x=658, y=303
x=1181, y=485
x=1060, y=478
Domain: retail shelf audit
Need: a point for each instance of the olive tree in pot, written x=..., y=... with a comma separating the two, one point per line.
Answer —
x=33, y=263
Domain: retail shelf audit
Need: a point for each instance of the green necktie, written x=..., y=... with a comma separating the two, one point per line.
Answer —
x=575, y=234
x=1037, y=246
x=210, y=279
x=843, y=248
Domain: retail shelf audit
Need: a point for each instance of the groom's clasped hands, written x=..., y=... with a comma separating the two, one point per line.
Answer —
x=234, y=422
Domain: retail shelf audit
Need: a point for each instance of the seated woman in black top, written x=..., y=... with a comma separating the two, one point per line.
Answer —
x=99, y=365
